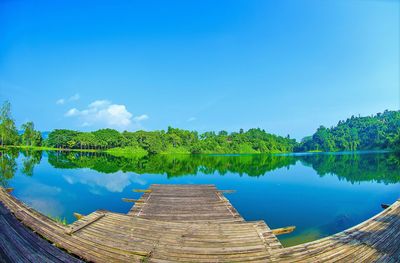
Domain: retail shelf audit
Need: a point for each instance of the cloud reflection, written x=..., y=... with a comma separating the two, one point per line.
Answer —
x=115, y=182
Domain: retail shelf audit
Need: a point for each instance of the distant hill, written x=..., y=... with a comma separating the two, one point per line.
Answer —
x=380, y=131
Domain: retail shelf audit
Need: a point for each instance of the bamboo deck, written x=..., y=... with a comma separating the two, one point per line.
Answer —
x=185, y=203
x=196, y=223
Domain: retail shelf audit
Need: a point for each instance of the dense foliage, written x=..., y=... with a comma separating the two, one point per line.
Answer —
x=30, y=136
x=172, y=141
x=380, y=131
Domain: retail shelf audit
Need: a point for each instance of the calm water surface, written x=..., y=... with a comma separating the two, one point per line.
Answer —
x=321, y=194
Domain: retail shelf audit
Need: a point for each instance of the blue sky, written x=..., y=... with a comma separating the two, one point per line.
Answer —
x=284, y=66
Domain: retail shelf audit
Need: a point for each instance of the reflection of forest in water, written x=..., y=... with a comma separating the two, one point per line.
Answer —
x=9, y=166
x=354, y=167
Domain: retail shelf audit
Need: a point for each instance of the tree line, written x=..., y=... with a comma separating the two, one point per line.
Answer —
x=173, y=140
x=380, y=131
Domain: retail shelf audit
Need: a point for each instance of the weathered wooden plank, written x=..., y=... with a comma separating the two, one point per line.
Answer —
x=74, y=228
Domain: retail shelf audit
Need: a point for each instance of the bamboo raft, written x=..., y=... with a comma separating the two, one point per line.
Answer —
x=196, y=223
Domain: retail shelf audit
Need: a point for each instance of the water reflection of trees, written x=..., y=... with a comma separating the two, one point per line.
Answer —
x=383, y=167
x=30, y=160
x=8, y=166
x=172, y=165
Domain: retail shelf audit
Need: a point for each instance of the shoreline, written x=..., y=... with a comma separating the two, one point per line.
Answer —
x=125, y=152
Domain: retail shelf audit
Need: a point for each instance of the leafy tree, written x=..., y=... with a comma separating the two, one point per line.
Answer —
x=223, y=133
x=108, y=138
x=323, y=140
x=61, y=138
x=395, y=142
x=8, y=131
x=86, y=140
x=31, y=137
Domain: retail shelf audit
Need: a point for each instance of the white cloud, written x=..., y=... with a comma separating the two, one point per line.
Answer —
x=43, y=198
x=140, y=118
x=74, y=97
x=191, y=119
x=72, y=112
x=103, y=113
x=99, y=103
x=115, y=115
x=60, y=101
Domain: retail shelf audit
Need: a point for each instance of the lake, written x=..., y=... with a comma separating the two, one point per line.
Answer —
x=320, y=194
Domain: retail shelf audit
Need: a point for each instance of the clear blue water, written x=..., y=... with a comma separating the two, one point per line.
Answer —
x=320, y=194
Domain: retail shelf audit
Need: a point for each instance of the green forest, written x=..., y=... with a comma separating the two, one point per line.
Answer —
x=172, y=141
x=377, y=132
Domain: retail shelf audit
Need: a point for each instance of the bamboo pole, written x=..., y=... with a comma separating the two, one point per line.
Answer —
x=78, y=216
x=72, y=230
x=142, y=191
x=132, y=200
x=283, y=230
x=227, y=191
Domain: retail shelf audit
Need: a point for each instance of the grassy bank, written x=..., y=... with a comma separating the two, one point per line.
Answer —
x=128, y=152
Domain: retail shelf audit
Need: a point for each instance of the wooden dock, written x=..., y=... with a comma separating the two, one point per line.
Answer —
x=185, y=203
x=196, y=223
